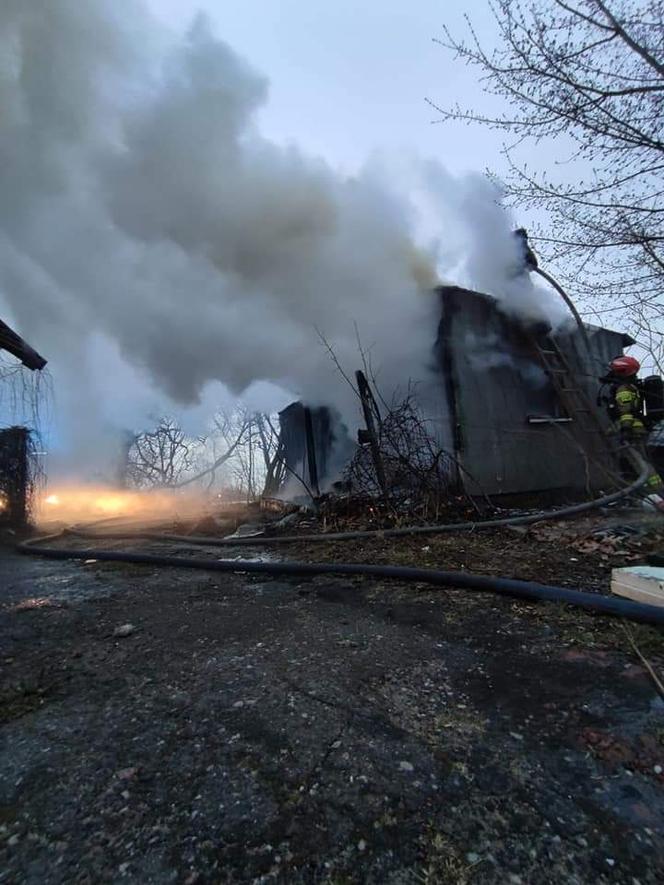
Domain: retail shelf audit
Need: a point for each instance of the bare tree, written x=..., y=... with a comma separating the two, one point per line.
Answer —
x=159, y=457
x=244, y=464
x=588, y=74
x=242, y=451
x=650, y=338
x=25, y=396
x=271, y=448
x=223, y=444
x=259, y=466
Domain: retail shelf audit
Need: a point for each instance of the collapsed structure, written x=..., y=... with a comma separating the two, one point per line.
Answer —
x=511, y=401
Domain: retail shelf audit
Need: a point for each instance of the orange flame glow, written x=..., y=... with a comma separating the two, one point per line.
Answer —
x=84, y=503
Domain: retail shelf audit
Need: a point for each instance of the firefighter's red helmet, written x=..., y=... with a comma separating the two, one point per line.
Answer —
x=624, y=366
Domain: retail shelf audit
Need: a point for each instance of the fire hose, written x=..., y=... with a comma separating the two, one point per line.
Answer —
x=649, y=614
x=528, y=590
x=570, y=304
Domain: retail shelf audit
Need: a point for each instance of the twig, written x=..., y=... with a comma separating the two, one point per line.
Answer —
x=335, y=359
x=646, y=663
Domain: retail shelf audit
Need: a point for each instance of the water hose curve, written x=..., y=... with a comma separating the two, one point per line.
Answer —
x=529, y=590
x=648, y=614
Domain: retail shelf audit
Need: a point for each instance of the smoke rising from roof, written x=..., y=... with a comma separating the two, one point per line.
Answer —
x=141, y=204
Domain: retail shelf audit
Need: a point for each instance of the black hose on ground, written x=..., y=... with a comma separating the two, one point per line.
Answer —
x=325, y=537
x=647, y=614
x=506, y=586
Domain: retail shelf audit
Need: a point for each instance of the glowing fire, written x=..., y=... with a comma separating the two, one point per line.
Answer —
x=83, y=503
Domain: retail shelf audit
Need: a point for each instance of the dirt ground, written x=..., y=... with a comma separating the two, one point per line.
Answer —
x=248, y=729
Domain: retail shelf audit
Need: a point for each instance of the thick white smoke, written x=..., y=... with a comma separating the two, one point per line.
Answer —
x=480, y=250
x=141, y=202
x=142, y=208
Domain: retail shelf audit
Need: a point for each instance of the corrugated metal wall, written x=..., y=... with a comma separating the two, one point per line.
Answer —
x=496, y=382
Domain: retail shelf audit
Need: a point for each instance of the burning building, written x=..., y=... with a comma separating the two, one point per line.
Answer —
x=512, y=402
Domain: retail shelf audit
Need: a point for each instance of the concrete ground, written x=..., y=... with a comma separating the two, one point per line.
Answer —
x=333, y=731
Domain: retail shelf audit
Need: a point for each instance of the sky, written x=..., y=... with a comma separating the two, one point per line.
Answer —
x=348, y=79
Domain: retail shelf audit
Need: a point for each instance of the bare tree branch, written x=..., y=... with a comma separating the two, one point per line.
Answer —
x=157, y=458
x=588, y=77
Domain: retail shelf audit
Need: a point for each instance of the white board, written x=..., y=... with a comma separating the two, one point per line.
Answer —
x=642, y=583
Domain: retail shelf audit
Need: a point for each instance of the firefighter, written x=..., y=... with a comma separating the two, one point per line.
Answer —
x=625, y=398
x=625, y=407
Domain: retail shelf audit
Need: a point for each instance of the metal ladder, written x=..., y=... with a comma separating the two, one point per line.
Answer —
x=577, y=404
x=581, y=408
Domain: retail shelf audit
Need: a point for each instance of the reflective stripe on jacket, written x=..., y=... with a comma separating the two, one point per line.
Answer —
x=629, y=408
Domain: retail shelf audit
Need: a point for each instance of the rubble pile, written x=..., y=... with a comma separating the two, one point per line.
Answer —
x=351, y=512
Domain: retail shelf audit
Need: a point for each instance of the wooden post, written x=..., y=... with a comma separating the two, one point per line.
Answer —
x=367, y=399
x=311, y=451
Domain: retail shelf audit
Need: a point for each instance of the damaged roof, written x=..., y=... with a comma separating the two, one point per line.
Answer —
x=451, y=289
x=14, y=344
